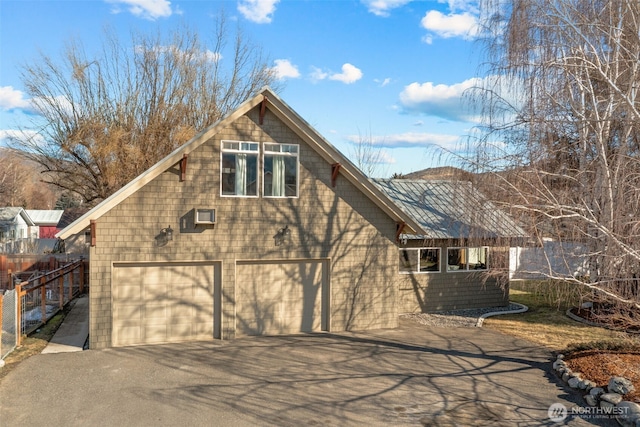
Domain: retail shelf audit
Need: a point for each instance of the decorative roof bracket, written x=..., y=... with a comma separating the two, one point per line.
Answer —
x=263, y=109
x=92, y=230
x=183, y=168
x=399, y=229
x=335, y=171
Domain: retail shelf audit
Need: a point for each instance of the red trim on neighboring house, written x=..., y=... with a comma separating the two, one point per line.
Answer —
x=48, y=231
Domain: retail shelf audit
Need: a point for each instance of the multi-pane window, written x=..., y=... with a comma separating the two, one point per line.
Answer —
x=239, y=168
x=419, y=260
x=465, y=259
x=280, y=170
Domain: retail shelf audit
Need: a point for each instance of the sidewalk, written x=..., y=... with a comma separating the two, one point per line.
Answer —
x=74, y=330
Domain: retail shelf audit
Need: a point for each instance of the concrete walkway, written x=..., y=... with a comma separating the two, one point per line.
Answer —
x=412, y=375
x=74, y=330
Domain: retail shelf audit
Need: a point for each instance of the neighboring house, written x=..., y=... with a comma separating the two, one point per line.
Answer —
x=46, y=221
x=17, y=230
x=551, y=260
x=77, y=244
x=258, y=226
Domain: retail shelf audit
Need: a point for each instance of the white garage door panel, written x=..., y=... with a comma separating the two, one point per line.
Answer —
x=162, y=302
x=275, y=299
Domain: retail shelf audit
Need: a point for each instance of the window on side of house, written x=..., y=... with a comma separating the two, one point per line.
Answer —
x=419, y=260
x=465, y=259
x=239, y=168
x=280, y=170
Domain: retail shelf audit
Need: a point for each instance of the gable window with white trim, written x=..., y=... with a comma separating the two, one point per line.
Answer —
x=239, y=168
x=466, y=259
x=280, y=170
x=419, y=260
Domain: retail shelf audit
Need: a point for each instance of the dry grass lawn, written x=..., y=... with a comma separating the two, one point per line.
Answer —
x=549, y=325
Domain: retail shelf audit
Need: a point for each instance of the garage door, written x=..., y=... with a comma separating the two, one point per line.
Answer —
x=281, y=297
x=162, y=302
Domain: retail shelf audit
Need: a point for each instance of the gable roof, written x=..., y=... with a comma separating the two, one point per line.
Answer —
x=449, y=210
x=298, y=125
x=45, y=217
x=10, y=213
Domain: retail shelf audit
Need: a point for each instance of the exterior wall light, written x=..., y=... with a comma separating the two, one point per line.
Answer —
x=167, y=233
x=282, y=236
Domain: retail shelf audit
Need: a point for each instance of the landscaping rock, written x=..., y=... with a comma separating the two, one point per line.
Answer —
x=607, y=406
x=585, y=384
x=614, y=398
x=596, y=391
x=620, y=385
x=591, y=400
x=567, y=375
x=574, y=382
x=559, y=363
x=629, y=415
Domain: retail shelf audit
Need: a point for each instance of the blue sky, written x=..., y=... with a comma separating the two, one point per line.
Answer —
x=392, y=71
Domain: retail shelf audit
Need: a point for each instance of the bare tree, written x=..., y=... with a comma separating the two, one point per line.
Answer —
x=105, y=119
x=562, y=101
x=366, y=154
x=20, y=184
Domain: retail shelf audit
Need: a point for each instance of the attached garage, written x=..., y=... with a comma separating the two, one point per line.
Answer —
x=281, y=297
x=163, y=302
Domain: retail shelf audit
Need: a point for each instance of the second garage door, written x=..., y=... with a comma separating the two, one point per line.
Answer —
x=274, y=298
x=162, y=302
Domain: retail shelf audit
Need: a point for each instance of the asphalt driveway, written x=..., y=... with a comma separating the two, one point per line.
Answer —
x=412, y=375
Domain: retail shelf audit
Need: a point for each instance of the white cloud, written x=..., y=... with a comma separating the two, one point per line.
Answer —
x=317, y=74
x=463, y=25
x=206, y=55
x=384, y=82
x=11, y=99
x=8, y=136
x=258, y=11
x=440, y=100
x=350, y=74
x=462, y=5
x=285, y=69
x=412, y=140
x=147, y=9
x=382, y=7
x=384, y=158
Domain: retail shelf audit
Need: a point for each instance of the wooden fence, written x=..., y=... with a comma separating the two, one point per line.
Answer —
x=12, y=264
x=43, y=296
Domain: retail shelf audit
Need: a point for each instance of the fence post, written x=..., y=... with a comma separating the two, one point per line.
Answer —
x=1, y=324
x=43, y=299
x=18, y=289
x=61, y=291
x=81, y=276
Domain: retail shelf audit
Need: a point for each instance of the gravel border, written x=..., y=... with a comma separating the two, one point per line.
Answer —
x=463, y=318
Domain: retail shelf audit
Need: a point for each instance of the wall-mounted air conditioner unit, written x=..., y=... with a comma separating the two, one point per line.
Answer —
x=205, y=216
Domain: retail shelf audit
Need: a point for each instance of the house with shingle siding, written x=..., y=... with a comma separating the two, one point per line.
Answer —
x=257, y=226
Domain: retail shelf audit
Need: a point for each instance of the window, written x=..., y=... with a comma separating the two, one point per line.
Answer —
x=419, y=260
x=239, y=168
x=280, y=170
x=465, y=259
